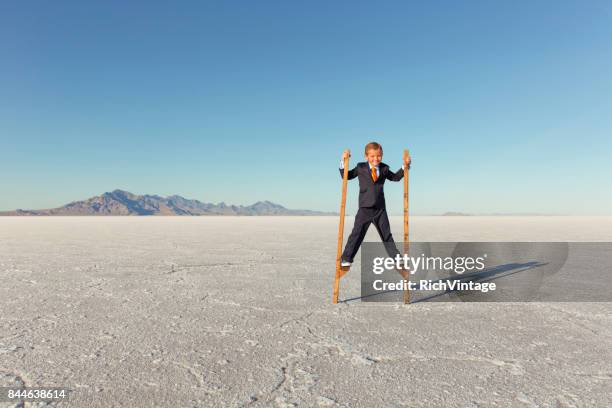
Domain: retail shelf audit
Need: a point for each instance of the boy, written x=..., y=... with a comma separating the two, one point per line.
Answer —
x=372, y=175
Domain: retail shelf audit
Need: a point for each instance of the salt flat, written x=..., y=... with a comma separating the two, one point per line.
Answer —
x=236, y=311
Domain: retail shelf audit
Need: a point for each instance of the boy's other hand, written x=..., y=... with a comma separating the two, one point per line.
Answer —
x=346, y=154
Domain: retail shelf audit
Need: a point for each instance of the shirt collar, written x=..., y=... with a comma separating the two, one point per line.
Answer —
x=370, y=166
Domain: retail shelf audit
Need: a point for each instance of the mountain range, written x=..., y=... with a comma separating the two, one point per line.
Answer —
x=120, y=202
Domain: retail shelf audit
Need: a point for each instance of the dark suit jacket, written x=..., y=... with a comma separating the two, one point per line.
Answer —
x=371, y=194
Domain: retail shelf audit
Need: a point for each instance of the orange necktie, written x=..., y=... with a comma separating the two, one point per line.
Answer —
x=374, y=176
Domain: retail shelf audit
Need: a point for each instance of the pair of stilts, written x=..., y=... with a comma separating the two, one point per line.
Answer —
x=342, y=270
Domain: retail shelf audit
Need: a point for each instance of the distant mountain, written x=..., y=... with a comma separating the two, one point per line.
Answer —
x=119, y=202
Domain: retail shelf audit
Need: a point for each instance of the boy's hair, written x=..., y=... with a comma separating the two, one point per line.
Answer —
x=373, y=146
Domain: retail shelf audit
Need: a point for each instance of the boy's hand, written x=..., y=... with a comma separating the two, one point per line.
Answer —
x=346, y=154
x=407, y=160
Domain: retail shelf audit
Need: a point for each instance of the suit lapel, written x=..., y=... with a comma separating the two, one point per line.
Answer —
x=380, y=173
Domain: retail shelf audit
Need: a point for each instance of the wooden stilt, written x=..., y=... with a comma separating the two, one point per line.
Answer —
x=340, y=271
x=406, y=274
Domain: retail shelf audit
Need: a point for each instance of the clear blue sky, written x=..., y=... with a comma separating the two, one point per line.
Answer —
x=505, y=106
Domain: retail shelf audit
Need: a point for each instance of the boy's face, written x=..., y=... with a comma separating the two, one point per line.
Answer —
x=374, y=157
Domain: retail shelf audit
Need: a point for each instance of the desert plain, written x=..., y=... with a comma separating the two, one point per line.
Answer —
x=237, y=312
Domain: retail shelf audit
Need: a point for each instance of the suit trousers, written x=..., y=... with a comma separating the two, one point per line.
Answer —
x=366, y=216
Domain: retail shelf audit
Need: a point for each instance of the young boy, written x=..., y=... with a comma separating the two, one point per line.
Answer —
x=372, y=175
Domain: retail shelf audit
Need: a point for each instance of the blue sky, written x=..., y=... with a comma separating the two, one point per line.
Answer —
x=505, y=106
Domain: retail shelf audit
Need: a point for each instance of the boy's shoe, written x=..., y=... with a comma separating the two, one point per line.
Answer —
x=344, y=263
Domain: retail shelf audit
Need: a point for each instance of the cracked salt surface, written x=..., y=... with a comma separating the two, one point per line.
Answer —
x=236, y=311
